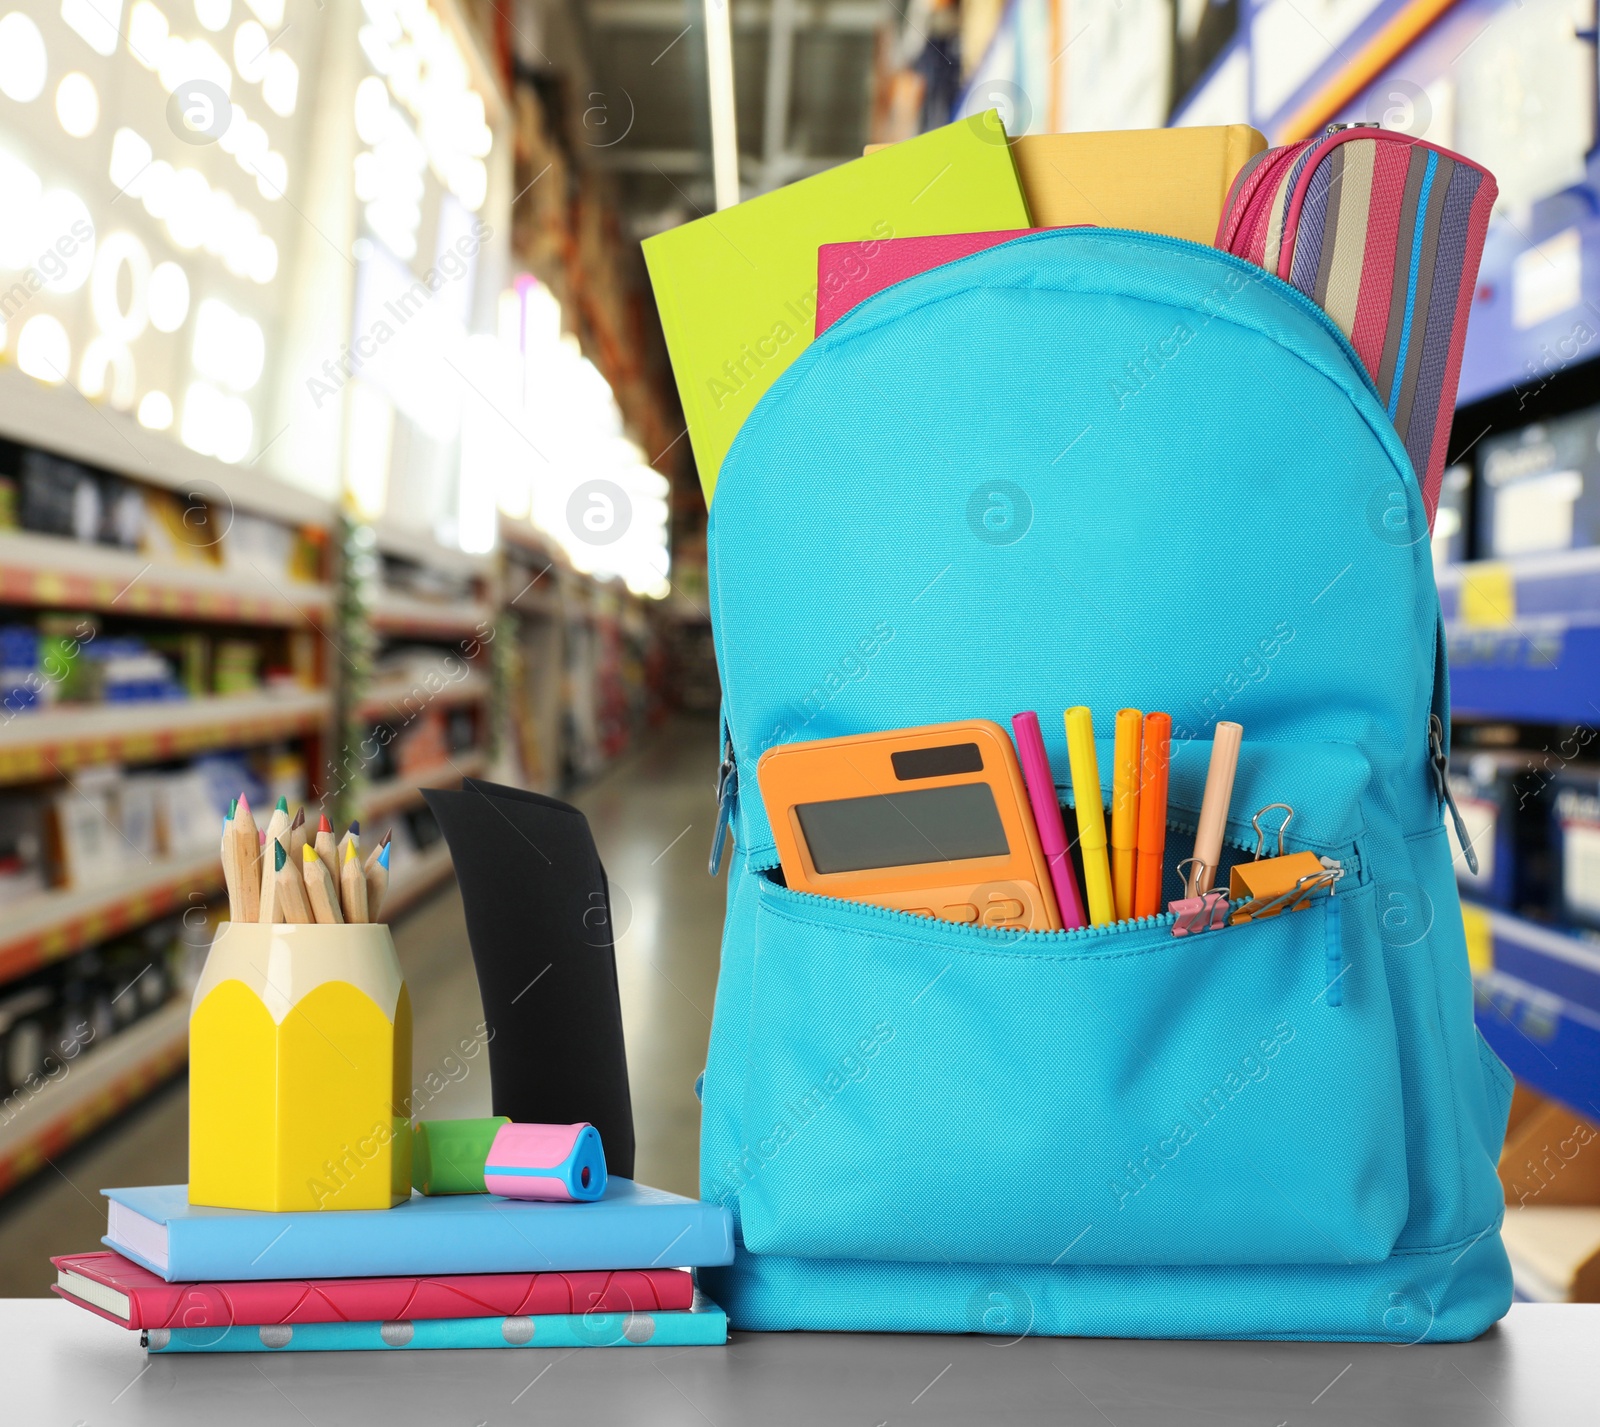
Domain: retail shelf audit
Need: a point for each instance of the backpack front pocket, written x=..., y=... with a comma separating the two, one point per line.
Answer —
x=941, y=1093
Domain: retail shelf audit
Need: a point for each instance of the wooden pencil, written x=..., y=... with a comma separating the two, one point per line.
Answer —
x=353, y=884
x=320, y=890
x=299, y=831
x=377, y=874
x=247, y=852
x=278, y=826
x=325, y=849
x=293, y=904
x=354, y=831
x=230, y=867
x=268, y=908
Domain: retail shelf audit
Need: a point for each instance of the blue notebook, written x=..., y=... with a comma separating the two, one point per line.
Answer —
x=630, y=1226
x=704, y=1325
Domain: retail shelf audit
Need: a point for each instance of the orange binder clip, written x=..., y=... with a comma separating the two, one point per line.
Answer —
x=1286, y=882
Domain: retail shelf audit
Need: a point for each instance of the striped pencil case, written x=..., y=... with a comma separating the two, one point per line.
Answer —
x=1384, y=232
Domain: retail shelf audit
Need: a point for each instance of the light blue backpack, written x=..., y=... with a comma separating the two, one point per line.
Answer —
x=1102, y=468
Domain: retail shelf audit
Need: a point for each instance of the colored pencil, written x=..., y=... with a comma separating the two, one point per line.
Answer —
x=299, y=831
x=353, y=884
x=293, y=904
x=320, y=890
x=354, y=831
x=247, y=851
x=325, y=849
x=377, y=871
x=230, y=869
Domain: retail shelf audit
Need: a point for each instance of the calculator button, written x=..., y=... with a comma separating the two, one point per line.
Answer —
x=960, y=912
x=1001, y=910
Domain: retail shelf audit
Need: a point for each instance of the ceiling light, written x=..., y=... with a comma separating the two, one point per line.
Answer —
x=116, y=251
x=107, y=371
x=99, y=22
x=168, y=297
x=147, y=34
x=215, y=424
x=188, y=209
x=130, y=156
x=213, y=14
x=372, y=110
x=228, y=346
x=65, y=224
x=250, y=52
x=77, y=105
x=20, y=192
x=43, y=350
x=23, y=63
x=280, y=86
x=155, y=410
x=264, y=259
x=376, y=49
x=156, y=188
x=272, y=175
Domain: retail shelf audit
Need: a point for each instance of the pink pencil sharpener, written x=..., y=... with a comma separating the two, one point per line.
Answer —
x=562, y=1162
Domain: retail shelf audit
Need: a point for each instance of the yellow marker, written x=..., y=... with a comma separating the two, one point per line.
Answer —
x=1091, y=816
x=1125, y=809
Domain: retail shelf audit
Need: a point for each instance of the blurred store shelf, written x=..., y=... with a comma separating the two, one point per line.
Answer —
x=1525, y=637
x=58, y=419
x=51, y=572
x=405, y=790
x=38, y=1124
x=43, y=743
x=49, y=925
x=397, y=614
x=1538, y=1003
x=422, y=549
x=404, y=698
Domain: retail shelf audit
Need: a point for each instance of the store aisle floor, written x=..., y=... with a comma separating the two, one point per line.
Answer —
x=652, y=818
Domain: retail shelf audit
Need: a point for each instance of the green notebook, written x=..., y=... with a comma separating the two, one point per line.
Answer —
x=738, y=290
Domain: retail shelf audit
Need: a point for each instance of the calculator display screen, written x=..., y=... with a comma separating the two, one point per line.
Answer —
x=907, y=829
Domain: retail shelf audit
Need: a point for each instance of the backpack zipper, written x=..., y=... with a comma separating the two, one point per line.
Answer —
x=727, y=790
x=1439, y=761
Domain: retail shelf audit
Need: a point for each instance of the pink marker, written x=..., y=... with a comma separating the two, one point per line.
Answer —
x=1047, y=817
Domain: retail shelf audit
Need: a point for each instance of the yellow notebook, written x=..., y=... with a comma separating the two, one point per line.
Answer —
x=738, y=289
x=1171, y=181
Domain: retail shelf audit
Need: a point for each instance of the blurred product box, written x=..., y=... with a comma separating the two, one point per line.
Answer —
x=22, y=865
x=90, y=849
x=60, y=497
x=1540, y=488
x=236, y=667
x=1576, y=825
x=1505, y=800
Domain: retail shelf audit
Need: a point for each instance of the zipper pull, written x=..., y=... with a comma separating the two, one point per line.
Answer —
x=1441, y=783
x=727, y=788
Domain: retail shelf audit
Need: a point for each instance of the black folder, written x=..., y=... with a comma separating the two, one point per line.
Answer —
x=539, y=919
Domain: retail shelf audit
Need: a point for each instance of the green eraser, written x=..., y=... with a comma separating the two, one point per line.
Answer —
x=447, y=1156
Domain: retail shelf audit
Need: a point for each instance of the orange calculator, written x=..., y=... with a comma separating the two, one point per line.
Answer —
x=934, y=821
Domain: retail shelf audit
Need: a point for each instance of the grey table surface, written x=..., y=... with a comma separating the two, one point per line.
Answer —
x=1540, y=1367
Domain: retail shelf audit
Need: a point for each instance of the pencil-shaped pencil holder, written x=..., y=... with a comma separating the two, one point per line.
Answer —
x=546, y=1162
x=300, y=1070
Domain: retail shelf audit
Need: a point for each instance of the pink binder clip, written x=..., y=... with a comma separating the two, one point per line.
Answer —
x=1205, y=913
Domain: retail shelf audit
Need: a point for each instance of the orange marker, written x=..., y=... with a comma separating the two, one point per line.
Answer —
x=1125, y=809
x=1154, y=764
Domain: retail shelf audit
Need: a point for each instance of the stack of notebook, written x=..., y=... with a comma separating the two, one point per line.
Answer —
x=457, y=1271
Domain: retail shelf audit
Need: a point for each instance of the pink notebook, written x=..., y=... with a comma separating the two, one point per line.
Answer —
x=849, y=273
x=115, y=1288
